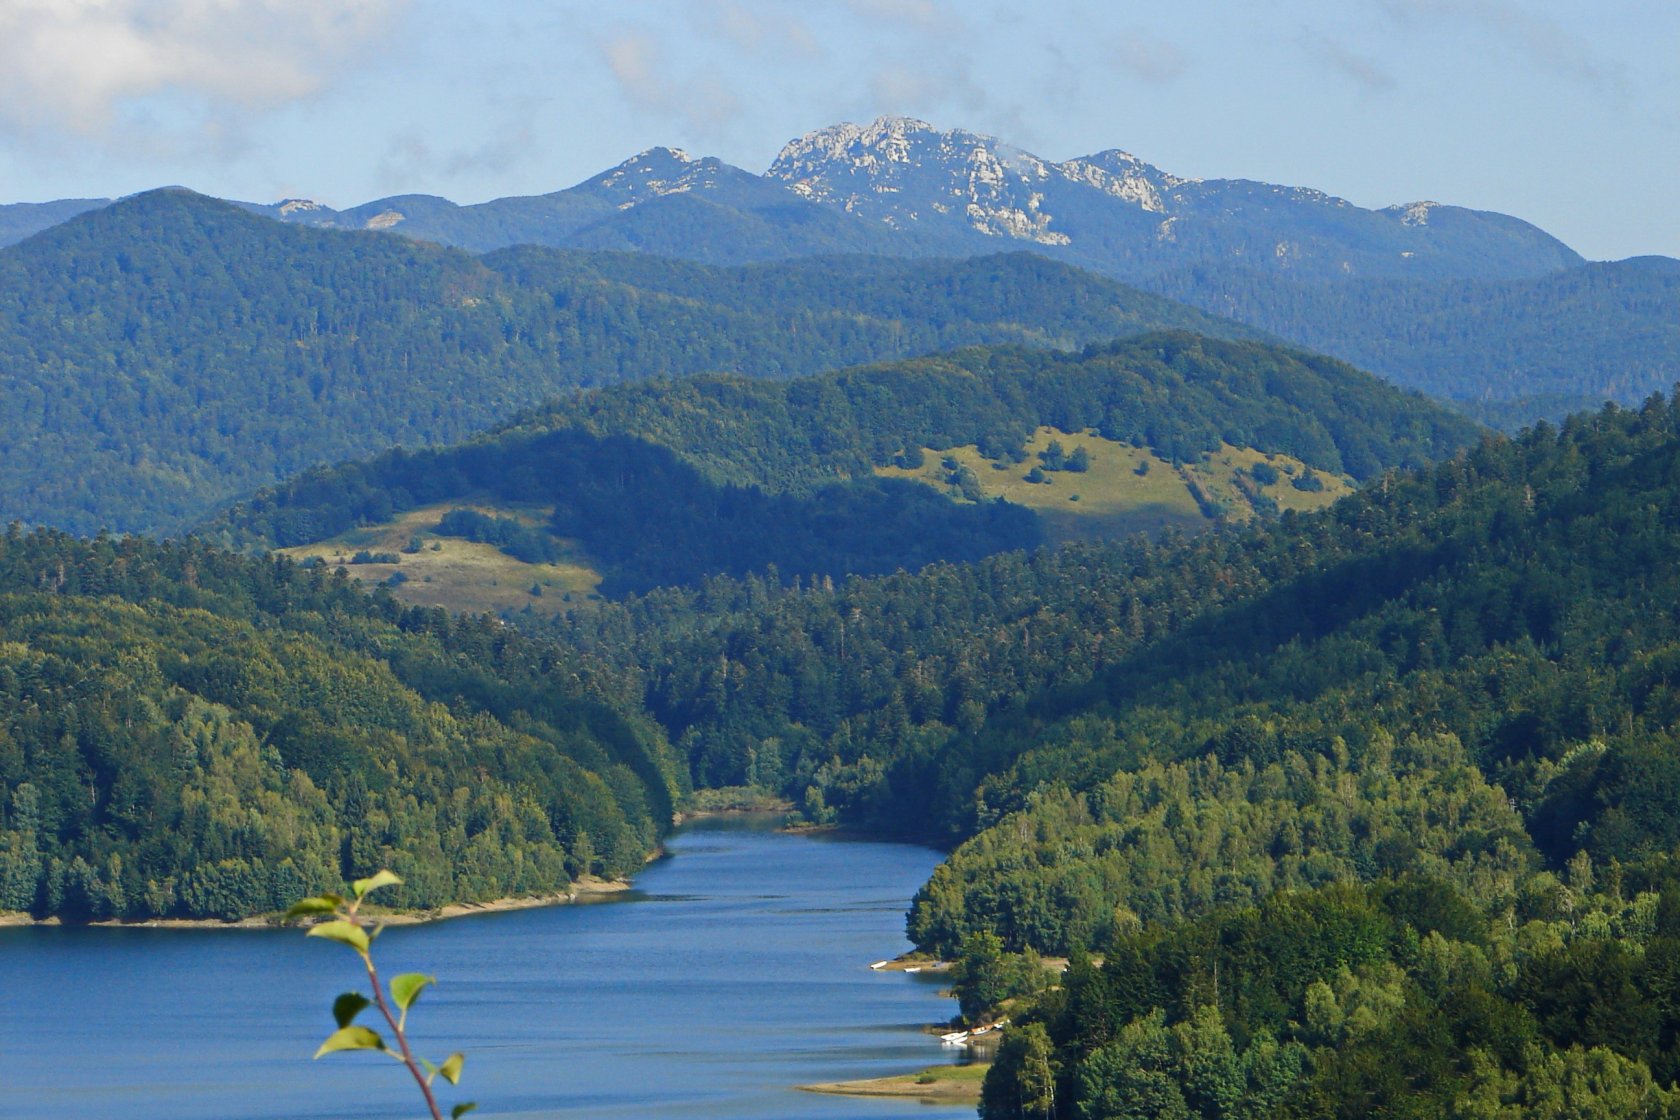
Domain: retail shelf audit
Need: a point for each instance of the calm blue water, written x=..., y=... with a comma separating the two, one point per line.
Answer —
x=737, y=969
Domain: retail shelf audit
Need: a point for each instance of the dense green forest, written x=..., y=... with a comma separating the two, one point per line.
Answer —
x=19, y=220
x=667, y=482
x=169, y=352
x=1508, y=351
x=1365, y=813
x=185, y=733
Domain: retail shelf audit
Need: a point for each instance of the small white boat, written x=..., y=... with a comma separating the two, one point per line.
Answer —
x=879, y=964
x=955, y=1038
x=917, y=969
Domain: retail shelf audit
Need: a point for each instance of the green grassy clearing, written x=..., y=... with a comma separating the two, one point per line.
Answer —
x=456, y=574
x=1111, y=498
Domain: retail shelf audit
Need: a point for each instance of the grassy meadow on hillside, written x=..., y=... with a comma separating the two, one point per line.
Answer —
x=1125, y=489
x=458, y=575
x=1112, y=498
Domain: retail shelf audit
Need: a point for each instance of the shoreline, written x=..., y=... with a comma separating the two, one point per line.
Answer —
x=934, y=1085
x=769, y=809
x=912, y=963
x=588, y=887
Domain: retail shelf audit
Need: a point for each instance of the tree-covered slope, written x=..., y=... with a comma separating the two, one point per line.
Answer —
x=1507, y=351
x=169, y=352
x=671, y=481
x=19, y=220
x=1475, y=307
x=1371, y=812
x=184, y=733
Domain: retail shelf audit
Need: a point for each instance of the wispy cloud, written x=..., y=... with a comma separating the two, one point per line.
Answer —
x=1521, y=28
x=83, y=65
x=929, y=15
x=704, y=99
x=906, y=86
x=1143, y=54
x=762, y=29
x=1361, y=70
x=411, y=158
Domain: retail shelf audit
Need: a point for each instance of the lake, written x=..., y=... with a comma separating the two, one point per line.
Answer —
x=737, y=968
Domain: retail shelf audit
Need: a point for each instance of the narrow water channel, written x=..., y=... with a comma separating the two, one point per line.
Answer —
x=737, y=969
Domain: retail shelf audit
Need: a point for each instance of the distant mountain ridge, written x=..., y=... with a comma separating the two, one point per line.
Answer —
x=171, y=352
x=1113, y=209
x=1476, y=307
x=901, y=186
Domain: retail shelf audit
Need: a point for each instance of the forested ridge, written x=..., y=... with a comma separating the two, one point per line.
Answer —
x=185, y=733
x=667, y=482
x=169, y=352
x=1365, y=813
x=1506, y=350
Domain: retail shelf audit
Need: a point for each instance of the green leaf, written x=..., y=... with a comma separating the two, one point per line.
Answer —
x=347, y=1006
x=462, y=1109
x=451, y=1068
x=321, y=904
x=374, y=882
x=405, y=989
x=351, y=1038
x=345, y=933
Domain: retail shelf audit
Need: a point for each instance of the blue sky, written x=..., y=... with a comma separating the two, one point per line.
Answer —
x=1565, y=113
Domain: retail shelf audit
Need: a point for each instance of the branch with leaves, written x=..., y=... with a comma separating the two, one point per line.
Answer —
x=345, y=925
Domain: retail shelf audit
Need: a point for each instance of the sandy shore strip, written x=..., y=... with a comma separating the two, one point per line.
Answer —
x=585, y=888
x=936, y=1084
x=912, y=963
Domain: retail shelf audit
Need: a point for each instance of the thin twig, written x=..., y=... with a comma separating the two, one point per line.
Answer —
x=402, y=1037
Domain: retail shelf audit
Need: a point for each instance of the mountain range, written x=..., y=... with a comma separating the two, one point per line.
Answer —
x=1475, y=307
x=171, y=352
x=901, y=186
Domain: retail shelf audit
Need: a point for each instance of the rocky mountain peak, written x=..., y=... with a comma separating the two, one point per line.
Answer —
x=1124, y=176
x=1412, y=213
x=658, y=172
x=901, y=171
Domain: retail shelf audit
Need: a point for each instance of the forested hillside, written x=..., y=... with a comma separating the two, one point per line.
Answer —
x=1367, y=813
x=184, y=733
x=1478, y=308
x=1507, y=351
x=19, y=220
x=668, y=482
x=169, y=352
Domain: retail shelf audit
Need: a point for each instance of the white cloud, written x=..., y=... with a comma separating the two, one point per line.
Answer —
x=83, y=65
x=704, y=99
x=1146, y=55
x=636, y=66
x=765, y=29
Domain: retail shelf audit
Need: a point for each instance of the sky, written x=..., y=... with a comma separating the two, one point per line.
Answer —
x=1563, y=112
